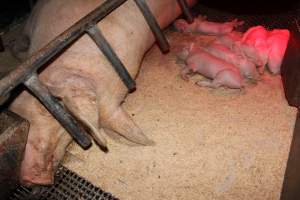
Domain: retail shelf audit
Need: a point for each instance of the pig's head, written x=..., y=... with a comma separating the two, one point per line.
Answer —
x=248, y=69
x=251, y=54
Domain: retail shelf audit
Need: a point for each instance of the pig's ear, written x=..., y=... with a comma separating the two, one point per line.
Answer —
x=121, y=123
x=93, y=129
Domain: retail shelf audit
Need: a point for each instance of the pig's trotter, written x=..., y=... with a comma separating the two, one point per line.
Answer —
x=121, y=123
x=185, y=72
x=207, y=83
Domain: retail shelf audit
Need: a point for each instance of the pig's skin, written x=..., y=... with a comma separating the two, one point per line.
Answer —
x=201, y=25
x=84, y=79
x=212, y=67
x=234, y=42
x=247, y=68
x=257, y=37
x=277, y=42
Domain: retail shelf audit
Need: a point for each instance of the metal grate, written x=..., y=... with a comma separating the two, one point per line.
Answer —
x=68, y=186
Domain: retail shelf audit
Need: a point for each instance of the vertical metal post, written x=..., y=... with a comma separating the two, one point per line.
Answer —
x=186, y=11
x=31, y=4
x=290, y=188
x=1, y=44
x=95, y=33
x=154, y=26
x=55, y=108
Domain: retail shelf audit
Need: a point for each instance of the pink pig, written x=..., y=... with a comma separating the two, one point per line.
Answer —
x=201, y=25
x=234, y=41
x=277, y=41
x=247, y=68
x=257, y=37
x=221, y=72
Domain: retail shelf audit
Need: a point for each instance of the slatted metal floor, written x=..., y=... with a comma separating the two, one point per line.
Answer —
x=68, y=186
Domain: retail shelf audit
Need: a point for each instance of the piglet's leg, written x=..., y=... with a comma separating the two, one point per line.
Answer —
x=208, y=83
x=185, y=73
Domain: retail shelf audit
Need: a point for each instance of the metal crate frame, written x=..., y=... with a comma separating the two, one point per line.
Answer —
x=26, y=73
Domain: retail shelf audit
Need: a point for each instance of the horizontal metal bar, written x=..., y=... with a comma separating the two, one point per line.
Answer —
x=95, y=33
x=55, y=108
x=186, y=11
x=21, y=73
x=154, y=26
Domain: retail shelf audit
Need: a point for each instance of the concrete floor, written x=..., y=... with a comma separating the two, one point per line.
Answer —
x=210, y=144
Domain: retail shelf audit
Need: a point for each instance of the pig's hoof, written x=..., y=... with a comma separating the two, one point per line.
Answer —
x=206, y=83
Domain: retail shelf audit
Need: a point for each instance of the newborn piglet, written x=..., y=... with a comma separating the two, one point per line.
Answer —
x=246, y=67
x=277, y=42
x=234, y=42
x=219, y=71
x=201, y=25
x=257, y=37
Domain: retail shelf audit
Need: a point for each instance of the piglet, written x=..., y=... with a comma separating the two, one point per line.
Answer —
x=277, y=42
x=234, y=42
x=201, y=25
x=246, y=67
x=257, y=37
x=221, y=72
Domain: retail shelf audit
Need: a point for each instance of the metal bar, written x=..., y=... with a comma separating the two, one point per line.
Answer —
x=290, y=189
x=158, y=34
x=55, y=108
x=31, y=3
x=1, y=44
x=186, y=11
x=23, y=71
x=95, y=33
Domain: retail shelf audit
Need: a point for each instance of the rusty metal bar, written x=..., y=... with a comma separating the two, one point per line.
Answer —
x=95, y=33
x=186, y=11
x=154, y=26
x=1, y=44
x=23, y=71
x=56, y=109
